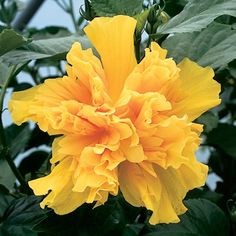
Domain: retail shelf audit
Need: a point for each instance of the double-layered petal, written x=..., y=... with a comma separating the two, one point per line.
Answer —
x=123, y=125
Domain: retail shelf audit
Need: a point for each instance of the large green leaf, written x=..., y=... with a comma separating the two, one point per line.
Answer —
x=214, y=46
x=10, y=40
x=197, y=14
x=45, y=48
x=202, y=218
x=5, y=199
x=110, y=219
x=20, y=218
x=116, y=7
x=224, y=137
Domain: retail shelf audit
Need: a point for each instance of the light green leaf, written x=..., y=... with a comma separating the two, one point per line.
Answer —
x=116, y=7
x=202, y=218
x=141, y=20
x=45, y=48
x=10, y=40
x=5, y=71
x=197, y=14
x=214, y=46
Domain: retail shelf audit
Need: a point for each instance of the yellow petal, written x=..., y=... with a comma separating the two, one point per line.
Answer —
x=202, y=92
x=163, y=191
x=113, y=39
x=139, y=188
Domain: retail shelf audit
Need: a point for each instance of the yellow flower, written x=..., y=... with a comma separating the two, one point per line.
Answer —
x=123, y=125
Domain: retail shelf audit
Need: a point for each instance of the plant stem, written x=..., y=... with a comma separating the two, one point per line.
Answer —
x=3, y=142
x=71, y=11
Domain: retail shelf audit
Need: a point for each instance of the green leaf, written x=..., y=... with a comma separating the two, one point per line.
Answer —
x=224, y=137
x=20, y=218
x=5, y=199
x=7, y=177
x=5, y=71
x=106, y=220
x=197, y=14
x=141, y=20
x=209, y=120
x=116, y=7
x=214, y=46
x=54, y=48
x=202, y=218
x=133, y=229
x=17, y=138
x=204, y=193
x=10, y=40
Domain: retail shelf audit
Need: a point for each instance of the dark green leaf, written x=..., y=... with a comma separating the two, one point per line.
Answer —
x=214, y=46
x=8, y=11
x=39, y=138
x=197, y=14
x=202, y=218
x=10, y=40
x=45, y=48
x=7, y=177
x=116, y=7
x=20, y=218
x=5, y=199
x=32, y=163
x=204, y=193
x=224, y=137
x=106, y=220
x=133, y=229
x=17, y=138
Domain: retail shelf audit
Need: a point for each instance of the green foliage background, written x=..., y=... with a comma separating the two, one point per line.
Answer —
x=204, y=31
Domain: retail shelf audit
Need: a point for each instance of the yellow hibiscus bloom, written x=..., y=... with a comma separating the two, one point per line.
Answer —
x=123, y=125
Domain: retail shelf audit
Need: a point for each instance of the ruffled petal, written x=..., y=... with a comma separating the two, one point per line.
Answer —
x=202, y=92
x=113, y=39
x=163, y=191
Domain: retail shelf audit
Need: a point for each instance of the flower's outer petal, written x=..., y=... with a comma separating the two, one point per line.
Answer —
x=163, y=191
x=60, y=184
x=141, y=189
x=54, y=105
x=113, y=39
x=202, y=92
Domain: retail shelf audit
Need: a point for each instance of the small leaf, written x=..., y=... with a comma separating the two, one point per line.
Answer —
x=214, y=46
x=141, y=20
x=7, y=177
x=116, y=7
x=17, y=138
x=197, y=14
x=224, y=137
x=55, y=48
x=10, y=40
x=209, y=120
x=202, y=218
